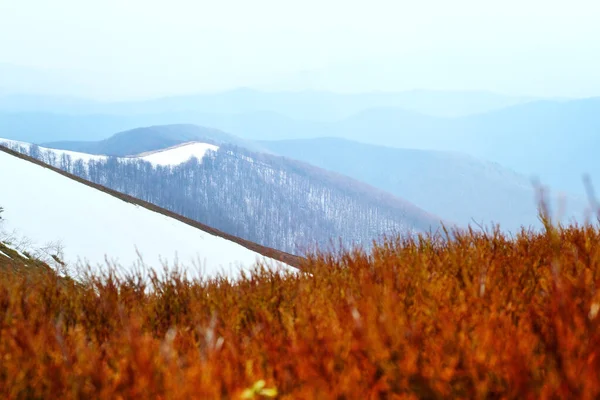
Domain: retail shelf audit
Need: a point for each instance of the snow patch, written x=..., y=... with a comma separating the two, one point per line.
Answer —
x=166, y=157
x=179, y=154
x=13, y=143
x=50, y=156
x=4, y=254
x=15, y=250
x=75, y=155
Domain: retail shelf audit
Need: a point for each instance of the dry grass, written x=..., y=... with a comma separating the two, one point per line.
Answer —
x=478, y=316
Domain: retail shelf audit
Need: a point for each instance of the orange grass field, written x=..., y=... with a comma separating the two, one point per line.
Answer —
x=479, y=316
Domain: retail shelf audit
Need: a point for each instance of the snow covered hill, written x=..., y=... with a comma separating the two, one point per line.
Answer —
x=171, y=156
x=177, y=154
x=147, y=138
x=25, y=147
x=276, y=202
x=93, y=226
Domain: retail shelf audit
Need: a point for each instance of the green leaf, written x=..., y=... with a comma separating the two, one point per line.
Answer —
x=272, y=392
x=259, y=385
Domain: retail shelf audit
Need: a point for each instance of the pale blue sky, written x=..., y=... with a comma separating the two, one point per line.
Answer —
x=137, y=48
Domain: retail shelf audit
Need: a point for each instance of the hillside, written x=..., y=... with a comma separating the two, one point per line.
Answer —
x=12, y=261
x=173, y=155
x=83, y=223
x=452, y=185
x=550, y=140
x=277, y=202
x=141, y=140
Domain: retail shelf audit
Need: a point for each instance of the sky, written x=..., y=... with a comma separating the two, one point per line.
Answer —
x=115, y=49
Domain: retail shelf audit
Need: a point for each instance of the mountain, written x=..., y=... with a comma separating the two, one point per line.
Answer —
x=554, y=141
x=152, y=138
x=304, y=104
x=323, y=105
x=43, y=127
x=89, y=222
x=454, y=186
x=274, y=201
x=551, y=140
x=246, y=112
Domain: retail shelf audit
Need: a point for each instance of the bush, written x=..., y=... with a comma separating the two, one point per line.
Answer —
x=479, y=315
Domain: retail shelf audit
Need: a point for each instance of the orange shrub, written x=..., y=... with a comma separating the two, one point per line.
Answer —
x=478, y=316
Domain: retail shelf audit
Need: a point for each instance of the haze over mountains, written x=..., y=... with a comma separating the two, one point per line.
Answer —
x=452, y=185
x=549, y=139
x=311, y=105
x=247, y=113
x=461, y=157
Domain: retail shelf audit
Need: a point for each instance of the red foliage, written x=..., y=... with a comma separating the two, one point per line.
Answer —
x=478, y=316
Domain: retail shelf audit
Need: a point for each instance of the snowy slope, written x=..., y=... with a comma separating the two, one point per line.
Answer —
x=44, y=207
x=166, y=157
x=178, y=154
x=14, y=144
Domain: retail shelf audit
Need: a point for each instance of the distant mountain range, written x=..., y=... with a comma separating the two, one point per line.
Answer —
x=454, y=186
x=311, y=105
x=552, y=140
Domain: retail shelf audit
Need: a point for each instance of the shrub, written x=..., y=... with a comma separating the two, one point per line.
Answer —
x=468, y=315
